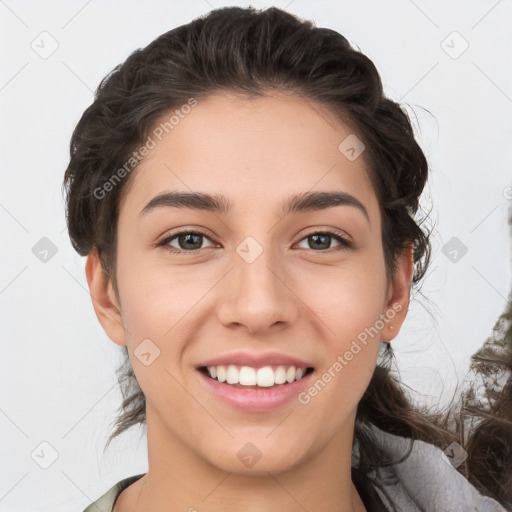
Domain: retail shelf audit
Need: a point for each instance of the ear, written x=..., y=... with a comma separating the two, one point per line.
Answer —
x=399, y=294
x=104, y=300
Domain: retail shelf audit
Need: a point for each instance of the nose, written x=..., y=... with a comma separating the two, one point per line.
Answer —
x=257, y=295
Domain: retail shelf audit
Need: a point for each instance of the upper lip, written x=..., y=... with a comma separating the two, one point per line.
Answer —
x=256, y=360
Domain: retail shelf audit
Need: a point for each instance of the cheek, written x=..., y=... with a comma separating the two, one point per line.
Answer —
x=339, y=386
x=152, y=296
x=348, y=298
x=348, y=303
x=349, y=310
x=160, y=306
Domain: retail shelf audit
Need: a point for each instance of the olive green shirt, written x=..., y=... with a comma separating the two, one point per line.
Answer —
x=106, y=502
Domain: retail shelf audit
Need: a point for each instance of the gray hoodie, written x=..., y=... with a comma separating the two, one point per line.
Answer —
x=427, y=480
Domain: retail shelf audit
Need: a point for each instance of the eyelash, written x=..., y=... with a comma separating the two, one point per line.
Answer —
x=338, y=235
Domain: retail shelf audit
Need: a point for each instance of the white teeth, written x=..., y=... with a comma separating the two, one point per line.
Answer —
x=280, y=375
x=232, y=374
x=265, y=377
x=221, y=373
x=248, y=376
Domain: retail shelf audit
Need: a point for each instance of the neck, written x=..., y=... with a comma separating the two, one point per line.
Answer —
x=180, y=479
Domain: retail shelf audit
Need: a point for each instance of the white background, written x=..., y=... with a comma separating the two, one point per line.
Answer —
x=57, y=367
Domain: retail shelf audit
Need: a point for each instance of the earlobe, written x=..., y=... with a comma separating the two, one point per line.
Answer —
x=103, y=299
x=398, y=303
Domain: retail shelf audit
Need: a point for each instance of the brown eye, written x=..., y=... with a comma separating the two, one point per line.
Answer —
x=187, y=241
x=321, y=240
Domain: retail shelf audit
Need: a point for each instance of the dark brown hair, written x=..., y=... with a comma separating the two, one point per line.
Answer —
x=252, y=53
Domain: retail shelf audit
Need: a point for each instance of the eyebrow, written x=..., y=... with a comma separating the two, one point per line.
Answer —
x=218, y=203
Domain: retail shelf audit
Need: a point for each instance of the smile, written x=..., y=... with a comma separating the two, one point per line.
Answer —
x=245, y=376
x=266, y=390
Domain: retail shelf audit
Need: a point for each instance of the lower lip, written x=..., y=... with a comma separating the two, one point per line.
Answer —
x=256, y=400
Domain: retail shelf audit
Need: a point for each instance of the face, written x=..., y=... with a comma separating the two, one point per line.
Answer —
x=196, y=284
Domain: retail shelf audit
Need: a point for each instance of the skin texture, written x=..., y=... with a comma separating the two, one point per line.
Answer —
x=294, y=298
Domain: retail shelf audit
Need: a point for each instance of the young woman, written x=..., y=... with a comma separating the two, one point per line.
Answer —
x=245, y=195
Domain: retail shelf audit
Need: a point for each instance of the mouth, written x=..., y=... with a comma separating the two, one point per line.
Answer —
x=256, y=390
x=246, y=377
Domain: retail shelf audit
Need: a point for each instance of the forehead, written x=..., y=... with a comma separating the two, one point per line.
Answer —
x=253, y=150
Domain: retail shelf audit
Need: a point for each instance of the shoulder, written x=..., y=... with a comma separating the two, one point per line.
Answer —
x=367, y=492
x=426, y=479
x=105, y=502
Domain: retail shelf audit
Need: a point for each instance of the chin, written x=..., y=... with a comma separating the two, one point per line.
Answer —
x=246, y=458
